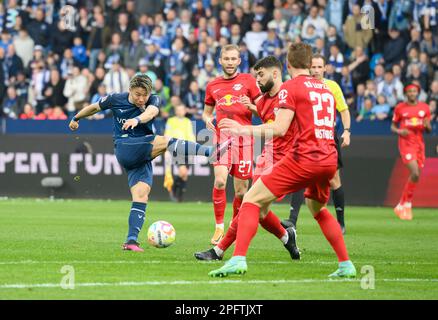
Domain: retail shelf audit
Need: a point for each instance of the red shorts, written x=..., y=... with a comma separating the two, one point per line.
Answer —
x=413, y=154
x=289, y=176
x=239, y=161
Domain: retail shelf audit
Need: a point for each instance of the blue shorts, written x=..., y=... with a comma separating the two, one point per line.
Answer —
x=135, y=155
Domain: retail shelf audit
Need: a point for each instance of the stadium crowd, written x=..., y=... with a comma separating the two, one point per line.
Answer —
x=54, y=61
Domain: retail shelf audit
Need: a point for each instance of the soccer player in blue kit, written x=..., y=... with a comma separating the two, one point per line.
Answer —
x=136, y=145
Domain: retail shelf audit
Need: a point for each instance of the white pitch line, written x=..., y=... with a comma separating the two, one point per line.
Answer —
x=210, y=282
x=207, y=262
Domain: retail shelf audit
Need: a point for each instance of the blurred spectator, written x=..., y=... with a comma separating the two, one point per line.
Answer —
x=123, y=28
x=366, y=111
x=247, y=58
x=79, y=52
x=100, y=93
x=331, y=74
x=28, y=112
x=415, y=74
x=295, y=22
x=38, y=29
x=334, y=12
x=392, y=89
x=24, y=45
x=429, y=45
x=40, y=76
x=346, y=82
x=10, y=106
x=398, y=18
x=99, y=38
x=394, y=49
x=319, y=24
x=359, y=100
x=194, y=101
x=143, y=67
x=355, y=35
x=382, y=9
x=67, y=62
x=333, y=39
x=336, y=58
x=243, y=19
x=433, y=111
x=309, y=35
x=54, y=90
x=99, y=76
x=61, y=38
x=236, y=36
x=359, y=66
x=134, y=51
x=13, y=63
x=75, y=90
x=57, y=114
x=382, y=109
x=278, y=24
x=255, y=38
x=379, y=72
x=117, y=79
x=21, y=85
x=207, y=73
x=273, y=41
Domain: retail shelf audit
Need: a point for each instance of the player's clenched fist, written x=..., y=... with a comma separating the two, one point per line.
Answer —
x=230, y=126
x=73, y=125
x=130, y=124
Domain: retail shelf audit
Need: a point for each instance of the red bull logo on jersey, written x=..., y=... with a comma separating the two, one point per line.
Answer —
x=413, y=122
x=228, y=100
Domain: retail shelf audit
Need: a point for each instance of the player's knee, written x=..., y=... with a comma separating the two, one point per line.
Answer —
x=415, y=176
x=140, y=195
x=219, y=183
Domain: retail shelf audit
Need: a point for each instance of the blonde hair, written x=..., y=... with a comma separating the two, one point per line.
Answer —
x=229, y=47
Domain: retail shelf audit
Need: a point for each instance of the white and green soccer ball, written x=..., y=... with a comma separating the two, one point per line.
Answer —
x=161, y=234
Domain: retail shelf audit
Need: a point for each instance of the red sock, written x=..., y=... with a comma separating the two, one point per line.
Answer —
x=237, y=202
x=408, y=192
x=272, y=224
x=248, y=222
x=230, y=235
x=219, y=204
x=333, y=233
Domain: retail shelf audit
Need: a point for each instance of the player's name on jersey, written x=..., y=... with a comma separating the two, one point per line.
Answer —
x=324, y=134
x=316, y=85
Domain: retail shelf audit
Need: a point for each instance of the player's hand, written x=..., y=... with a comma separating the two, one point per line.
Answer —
x=130, y=124
x=403, y=132
x=246, y=101
x=345, y=139
x=168, y=181
x=73, y=125
x=209, y=124
x=229, y=126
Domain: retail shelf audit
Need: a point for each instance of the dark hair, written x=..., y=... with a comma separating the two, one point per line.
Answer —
x=141, y=80
x=319, y=56
x=299, y=56
x=268, y=62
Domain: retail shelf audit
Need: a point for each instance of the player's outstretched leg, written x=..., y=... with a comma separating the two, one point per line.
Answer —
x=333, y=233
x=297, y=199
x=338, y=198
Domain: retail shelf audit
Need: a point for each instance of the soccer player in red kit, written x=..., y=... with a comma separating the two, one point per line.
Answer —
x=269, y=79
x=307, y=111
x=411, y=119
x=223, y=95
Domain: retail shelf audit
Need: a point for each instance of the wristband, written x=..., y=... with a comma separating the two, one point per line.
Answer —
x=347, y=129
x=75, y=119
x=138, y=119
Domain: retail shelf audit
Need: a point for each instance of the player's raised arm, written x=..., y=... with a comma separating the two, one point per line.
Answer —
x=85, y=112
x=150, y=113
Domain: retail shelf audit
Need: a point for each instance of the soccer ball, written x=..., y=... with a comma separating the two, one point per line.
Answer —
x=161, y=234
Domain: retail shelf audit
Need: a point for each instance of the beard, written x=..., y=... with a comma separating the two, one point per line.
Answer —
x=267, y=86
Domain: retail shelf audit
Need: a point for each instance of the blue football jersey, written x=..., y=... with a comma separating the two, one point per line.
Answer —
x=123, y=110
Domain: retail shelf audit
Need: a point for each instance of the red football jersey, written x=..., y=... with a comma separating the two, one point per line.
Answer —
x=267, y=108
x=412, y=118
x=224, y=95
x=313, y=125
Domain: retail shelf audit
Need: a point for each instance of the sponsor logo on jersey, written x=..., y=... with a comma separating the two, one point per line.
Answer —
x=228, y=100
x=282, y=95
x=421, y=113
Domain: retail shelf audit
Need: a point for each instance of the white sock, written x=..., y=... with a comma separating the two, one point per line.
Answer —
x=285, y=238
x=218, y=251
x=220, y=225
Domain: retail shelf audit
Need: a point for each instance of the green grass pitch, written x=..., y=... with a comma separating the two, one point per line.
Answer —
x=39, y=237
